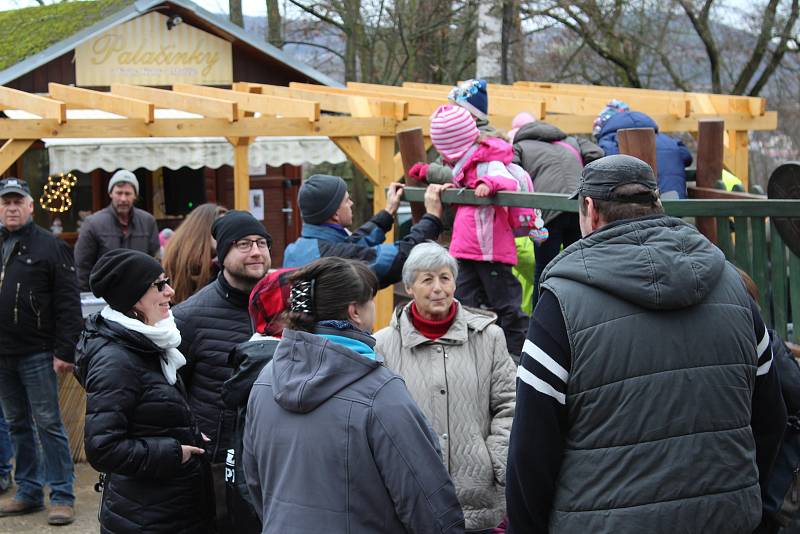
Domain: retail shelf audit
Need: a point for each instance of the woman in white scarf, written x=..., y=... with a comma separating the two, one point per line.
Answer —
x=139, y=429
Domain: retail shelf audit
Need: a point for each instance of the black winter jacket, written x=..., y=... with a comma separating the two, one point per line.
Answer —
x=212, y=322
x=135, y=424
x=247, y=360
x=40, y=305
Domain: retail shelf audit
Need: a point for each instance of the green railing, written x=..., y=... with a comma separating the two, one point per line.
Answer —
x=745, y=234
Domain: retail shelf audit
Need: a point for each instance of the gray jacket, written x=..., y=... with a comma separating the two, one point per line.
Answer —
x=659, y=392
x=101, y=232
x=464, y=383
x=333, y=443
x=553, y=167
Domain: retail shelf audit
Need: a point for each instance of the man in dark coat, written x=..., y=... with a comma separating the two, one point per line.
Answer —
x=118, y=225
x=212, y=322
x=646, y=400
x=40, y=319
x=327, y=210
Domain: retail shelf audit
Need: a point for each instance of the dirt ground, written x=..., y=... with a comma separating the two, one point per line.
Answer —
x=86, y=506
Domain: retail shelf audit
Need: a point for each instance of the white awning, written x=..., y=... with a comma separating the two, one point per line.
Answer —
x=110, y=154
x=86, y=155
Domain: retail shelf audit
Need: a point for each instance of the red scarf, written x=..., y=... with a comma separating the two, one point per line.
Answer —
x=431, y=329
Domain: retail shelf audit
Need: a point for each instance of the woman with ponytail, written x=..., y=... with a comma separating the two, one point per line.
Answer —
x=139, y=430
x=333, y=441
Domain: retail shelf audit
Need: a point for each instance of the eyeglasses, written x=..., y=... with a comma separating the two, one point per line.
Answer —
x=160, y=284
x=244, y=245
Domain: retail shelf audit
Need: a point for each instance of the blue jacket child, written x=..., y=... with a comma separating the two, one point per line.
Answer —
x=672, y=156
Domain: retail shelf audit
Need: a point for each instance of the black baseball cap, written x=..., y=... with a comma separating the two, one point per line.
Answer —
x=601, y=177
x=14, y=185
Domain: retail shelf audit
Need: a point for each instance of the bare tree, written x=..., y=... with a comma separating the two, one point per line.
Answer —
x=274, y=24
x=235, y=10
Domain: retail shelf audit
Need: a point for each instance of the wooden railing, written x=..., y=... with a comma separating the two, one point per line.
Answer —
x=746, y=233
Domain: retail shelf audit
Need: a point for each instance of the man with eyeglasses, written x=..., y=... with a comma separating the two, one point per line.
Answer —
x=212, y=322
x=40, y=319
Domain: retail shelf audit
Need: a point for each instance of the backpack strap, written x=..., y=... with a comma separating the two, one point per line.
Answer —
x=571, y=149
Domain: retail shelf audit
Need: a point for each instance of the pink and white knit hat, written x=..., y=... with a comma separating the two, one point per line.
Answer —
x=453, y=131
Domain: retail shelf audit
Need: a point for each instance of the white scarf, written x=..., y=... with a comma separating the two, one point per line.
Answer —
x=164, y=334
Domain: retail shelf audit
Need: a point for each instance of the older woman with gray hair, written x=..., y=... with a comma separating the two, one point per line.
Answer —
x=457, y=368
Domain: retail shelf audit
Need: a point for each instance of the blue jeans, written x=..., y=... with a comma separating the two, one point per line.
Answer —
x=28, y=396
x=6, y=452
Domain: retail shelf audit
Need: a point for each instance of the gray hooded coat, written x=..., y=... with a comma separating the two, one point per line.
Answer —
x=334, y=443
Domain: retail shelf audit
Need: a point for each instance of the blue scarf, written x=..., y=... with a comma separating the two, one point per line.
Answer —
x=344, y=333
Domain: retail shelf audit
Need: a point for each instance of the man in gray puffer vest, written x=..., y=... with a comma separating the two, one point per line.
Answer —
x=646, y=399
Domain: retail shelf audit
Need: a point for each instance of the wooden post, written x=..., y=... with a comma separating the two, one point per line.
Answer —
x=639, y=143
x=710, y=153
x=412, y=150
x=384, y=301
x=11, y=151
x=241, y=172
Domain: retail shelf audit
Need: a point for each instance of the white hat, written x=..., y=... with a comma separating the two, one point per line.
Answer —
x=123, y=176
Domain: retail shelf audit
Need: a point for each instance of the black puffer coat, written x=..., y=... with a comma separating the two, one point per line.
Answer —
x=212, y=322
x=135, y=424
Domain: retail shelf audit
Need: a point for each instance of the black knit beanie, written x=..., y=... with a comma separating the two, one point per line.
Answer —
x=319, y=197
x=233, y=226
x=121, y=276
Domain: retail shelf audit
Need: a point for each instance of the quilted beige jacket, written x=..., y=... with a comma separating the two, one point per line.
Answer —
x=464, y=382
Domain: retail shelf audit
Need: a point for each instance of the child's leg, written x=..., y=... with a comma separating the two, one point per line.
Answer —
x=469, y=288
x=504, y=293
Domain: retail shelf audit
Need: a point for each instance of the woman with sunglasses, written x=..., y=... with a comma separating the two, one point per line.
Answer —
x=139, y=430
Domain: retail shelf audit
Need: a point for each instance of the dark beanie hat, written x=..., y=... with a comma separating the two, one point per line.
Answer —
x=319, y=197
x=121, y=276
x=235, y=225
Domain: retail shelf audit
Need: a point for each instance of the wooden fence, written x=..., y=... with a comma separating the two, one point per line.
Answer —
x=746, y=233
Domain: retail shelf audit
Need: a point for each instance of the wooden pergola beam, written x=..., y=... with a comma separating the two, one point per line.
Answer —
x=577, y=124
x=330, y=102
x=246, y=127
x=426, y=102
x=202, y=105
x=756, y=106
x=359, y=157
x=379, y=106
x=257, y=103
x=47, y=108
x=11, y=151
x=121, y=105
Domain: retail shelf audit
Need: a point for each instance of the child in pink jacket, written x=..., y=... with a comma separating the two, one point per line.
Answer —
x=483, y=236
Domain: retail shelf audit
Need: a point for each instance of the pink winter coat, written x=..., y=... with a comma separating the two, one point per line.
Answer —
x=486, y=233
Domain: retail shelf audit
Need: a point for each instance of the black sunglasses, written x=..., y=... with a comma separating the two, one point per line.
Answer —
x=159, y=284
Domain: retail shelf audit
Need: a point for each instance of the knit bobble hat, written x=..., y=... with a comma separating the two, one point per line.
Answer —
x=319, y=197
x=611, y=109
x=122, y=276
x=123, y=177
x=235, y=225
x=472, y=96
x=453, y=131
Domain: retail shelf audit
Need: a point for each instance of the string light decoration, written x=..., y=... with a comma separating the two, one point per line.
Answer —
x=57, y=194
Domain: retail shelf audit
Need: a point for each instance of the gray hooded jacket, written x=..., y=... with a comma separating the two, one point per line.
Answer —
x=554, y=168
x=659, y=392
x=334, y=443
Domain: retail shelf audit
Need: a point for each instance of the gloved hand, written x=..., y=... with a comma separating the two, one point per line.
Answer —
x=418, y=171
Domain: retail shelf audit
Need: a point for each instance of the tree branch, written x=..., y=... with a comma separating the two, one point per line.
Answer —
x=320, y=16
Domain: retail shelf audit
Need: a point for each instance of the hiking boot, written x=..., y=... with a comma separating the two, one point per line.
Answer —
x=5, y=483
x=61, y=514
x=16, y=507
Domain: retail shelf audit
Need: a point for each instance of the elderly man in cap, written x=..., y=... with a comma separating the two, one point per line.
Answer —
x=40, y=319
x=212, y=322
x=646, y=399
x=327, y=211
x=118, y=225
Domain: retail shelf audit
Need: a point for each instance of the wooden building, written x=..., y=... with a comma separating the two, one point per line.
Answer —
x=154, y=43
